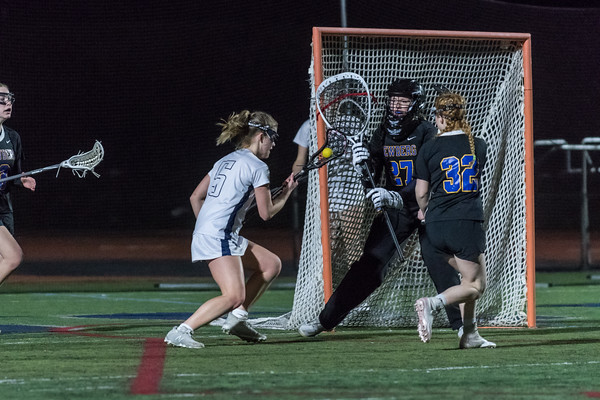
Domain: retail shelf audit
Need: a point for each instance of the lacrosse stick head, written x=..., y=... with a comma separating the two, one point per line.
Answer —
x=82, y=163
x=344, y=102
x=337, y=143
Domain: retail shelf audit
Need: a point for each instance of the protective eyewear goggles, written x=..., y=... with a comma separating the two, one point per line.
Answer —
x=266, y=129
x=7, y=98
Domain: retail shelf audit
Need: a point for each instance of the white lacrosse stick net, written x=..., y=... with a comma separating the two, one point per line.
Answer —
x=82, y=163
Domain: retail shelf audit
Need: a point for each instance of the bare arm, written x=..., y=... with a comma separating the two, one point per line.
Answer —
x=267, y=207
x=199, y=195
x=300, y=159
x=422, y=194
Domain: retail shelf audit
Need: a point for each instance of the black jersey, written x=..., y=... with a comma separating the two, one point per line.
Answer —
x=397, y=159
x=453, y=173
x=10, y=164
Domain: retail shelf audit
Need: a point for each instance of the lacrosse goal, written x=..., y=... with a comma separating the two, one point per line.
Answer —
x=492, y=71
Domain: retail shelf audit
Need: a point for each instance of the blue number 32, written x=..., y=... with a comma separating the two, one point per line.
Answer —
x=461, y=175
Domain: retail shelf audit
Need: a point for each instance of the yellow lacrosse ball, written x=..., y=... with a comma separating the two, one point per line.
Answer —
x=327, y=152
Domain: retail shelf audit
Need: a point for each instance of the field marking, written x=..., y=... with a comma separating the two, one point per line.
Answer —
x=153, y=387
x=417, y=370
x=106, y=297
x=150, y=369
x=25, y=381
x=151, y=365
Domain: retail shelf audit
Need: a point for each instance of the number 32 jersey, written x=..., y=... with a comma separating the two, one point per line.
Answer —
x=453, y=173
x=230, y=193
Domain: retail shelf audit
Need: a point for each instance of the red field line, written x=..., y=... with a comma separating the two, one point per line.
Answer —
x=150, y=369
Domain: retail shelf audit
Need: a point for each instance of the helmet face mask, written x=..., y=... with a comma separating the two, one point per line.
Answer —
x=400, y=93
x=410, y=89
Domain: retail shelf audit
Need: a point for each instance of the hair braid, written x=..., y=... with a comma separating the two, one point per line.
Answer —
x=451, y=106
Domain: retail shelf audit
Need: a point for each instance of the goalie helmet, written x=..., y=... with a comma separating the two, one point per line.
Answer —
x=395, y=122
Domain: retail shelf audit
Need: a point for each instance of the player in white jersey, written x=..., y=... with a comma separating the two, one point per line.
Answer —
x=231, y=191
x=220, y=202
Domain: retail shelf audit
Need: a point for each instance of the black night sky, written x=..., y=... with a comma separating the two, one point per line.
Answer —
x=151, y=78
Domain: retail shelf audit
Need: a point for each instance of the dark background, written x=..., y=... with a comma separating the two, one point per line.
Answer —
x=150, y=79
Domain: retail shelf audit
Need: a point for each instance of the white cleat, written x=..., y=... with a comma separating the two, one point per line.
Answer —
x=243, y=330
x=311, y=329
x=181, y=337
x=473, y=340
x=424, y=310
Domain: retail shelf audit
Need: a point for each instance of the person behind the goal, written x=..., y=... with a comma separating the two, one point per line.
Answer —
x=392, y=151
x=448, y=191
x=220, y=202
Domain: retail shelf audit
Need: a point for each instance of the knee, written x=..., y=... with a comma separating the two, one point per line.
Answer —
x=13, y=260
x=481, y=287
x=272, y=268
x=235, y=300
x=477, y=289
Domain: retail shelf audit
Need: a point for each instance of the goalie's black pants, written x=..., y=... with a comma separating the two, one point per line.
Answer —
x=367, y=273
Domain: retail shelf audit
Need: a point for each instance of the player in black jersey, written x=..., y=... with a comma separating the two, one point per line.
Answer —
x=447, y=189
x=11, y=155
x=392, y=151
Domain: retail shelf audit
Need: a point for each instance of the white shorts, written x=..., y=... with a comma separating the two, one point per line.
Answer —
x=205, y=247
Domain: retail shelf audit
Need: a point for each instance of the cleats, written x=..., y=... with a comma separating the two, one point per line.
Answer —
x=311, y=329
x=425, y=310
x=473, y=340
x=241, y=329
x=182, y=337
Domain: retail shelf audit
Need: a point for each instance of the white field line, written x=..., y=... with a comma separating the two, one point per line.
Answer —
x=417, y=370
x=107, y=297
x=24, y=381
x=27, y=381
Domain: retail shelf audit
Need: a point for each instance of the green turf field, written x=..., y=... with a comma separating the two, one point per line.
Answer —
x=94, y=341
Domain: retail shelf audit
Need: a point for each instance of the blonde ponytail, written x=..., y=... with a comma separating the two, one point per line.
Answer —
x=237, y=131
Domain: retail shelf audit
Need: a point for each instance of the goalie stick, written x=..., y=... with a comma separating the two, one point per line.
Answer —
x=81, y=164
x=344, y=103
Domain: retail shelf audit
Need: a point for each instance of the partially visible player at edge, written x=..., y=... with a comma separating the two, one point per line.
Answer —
x=11, y=154
x=392, y=150
x=448, y=174
x=220, y=202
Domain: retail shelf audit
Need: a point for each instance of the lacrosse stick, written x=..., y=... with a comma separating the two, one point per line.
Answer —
x=344, y=103
x=334, y=147
x=81, y=164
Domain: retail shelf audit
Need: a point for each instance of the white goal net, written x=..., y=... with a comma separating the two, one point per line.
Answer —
x=489, y=73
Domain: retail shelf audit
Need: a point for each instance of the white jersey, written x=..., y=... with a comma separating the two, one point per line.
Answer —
x=302, y=137
x=230, y=193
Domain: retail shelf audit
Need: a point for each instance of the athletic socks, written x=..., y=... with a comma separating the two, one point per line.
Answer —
x=437, y=303
x=442, y=299
x=240, y=314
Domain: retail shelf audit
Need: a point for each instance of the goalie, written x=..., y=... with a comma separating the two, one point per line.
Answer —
x=392, y=150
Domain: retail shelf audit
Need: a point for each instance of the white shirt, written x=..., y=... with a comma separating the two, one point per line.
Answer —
x=230, y=193
x=303, y=135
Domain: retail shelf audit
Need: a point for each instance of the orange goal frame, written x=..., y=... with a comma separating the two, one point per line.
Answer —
x=525, y=39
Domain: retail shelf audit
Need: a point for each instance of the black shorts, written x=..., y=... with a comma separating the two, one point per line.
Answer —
x=8, y=221
x=464, y=239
